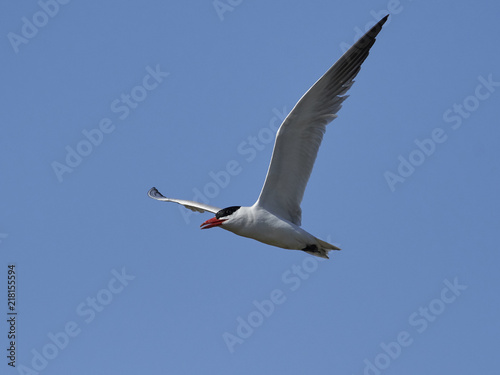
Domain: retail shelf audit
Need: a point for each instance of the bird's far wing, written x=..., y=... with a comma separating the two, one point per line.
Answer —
x=300, y=135
x=192, y=205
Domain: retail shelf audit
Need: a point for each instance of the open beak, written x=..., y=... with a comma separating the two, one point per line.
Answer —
x=213, y=222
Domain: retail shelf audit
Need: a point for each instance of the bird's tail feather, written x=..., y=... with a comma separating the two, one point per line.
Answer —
x=323, y=250
x=327, y=245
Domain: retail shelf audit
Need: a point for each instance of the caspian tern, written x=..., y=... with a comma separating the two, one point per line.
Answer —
x=275, y=218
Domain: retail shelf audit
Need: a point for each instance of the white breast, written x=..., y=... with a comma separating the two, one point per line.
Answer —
x=261, y=225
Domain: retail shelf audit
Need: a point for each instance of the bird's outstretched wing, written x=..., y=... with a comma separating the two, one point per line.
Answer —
x=300, y=135
x=192, y=205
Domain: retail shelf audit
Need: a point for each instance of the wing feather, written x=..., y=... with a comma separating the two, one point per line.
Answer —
x=300, y=135
x=192, y=205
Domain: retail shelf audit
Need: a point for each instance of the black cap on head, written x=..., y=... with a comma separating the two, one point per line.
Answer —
x=226, y=211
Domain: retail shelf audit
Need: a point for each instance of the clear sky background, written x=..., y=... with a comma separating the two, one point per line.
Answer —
x=406, y=183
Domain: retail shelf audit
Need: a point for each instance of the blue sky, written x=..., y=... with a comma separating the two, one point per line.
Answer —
x=102, y=101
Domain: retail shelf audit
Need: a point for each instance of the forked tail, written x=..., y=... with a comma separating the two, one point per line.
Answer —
x=321, y=250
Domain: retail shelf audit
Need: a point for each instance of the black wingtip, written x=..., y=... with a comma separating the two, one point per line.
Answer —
x=383, y=20
x=154, y=193
x=376, y=29
x=367, y=40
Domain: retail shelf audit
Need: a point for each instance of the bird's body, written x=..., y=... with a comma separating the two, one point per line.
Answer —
x=258, y=223
x=275, y=218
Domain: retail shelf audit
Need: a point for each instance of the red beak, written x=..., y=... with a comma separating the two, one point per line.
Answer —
x=213, y=222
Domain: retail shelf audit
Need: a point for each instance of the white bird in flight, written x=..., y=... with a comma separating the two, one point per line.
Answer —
x=275, y=218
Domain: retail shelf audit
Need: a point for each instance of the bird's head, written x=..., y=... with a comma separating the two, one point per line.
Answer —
x=220, y=217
